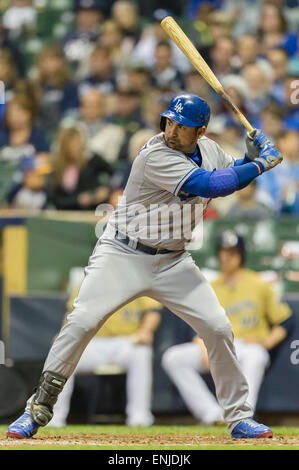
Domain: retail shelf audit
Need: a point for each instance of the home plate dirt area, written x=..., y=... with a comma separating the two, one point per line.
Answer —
x=158, y=437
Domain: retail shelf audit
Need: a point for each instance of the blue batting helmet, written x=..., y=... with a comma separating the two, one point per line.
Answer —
x=187, y=109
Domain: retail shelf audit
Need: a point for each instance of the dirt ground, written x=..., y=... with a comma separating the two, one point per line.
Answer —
x=137, y=439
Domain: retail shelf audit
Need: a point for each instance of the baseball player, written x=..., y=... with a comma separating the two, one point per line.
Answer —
x=143, y=252
x=259, y=323
x=125, y=340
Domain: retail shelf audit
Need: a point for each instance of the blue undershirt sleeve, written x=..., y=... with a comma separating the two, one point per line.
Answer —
x=217, y=183
x=242, y=161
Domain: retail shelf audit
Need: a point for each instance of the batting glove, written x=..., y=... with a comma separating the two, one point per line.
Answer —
x=255, y=141
x=269, y=157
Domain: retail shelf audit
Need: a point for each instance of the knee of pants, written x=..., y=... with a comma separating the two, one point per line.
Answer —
x=83, y=320
x=221, y=328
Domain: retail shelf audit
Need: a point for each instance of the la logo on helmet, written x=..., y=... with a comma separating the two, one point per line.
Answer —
x=178, y=107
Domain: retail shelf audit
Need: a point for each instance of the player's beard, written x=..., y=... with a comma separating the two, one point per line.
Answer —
x=173, y=144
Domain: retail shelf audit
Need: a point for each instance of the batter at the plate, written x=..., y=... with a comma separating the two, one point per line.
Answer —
x=134, y=258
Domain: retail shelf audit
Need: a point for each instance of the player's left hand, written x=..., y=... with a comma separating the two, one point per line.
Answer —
x=255, y=142
x=269, y=157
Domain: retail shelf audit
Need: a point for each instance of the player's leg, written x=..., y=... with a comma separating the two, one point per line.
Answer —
x=180, y=286
x=115, y=275
x=254, y=360
x=183, y=363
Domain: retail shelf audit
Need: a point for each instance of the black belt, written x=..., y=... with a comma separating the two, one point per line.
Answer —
x=139, y=246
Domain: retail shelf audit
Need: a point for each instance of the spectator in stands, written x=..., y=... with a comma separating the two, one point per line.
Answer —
x=248, y=49
x=154, y=103
x=138, y=77
x=247, y=208
x=103, y=138
x=222, y=54
x=56, y=92
x=259, y=321
x=128, y=115
x=20, y=141
x=111, y=38
x=8, y=73
x=125, y=343
x=31, y=192
x=258, y=84
x=101, y=74
x=273, y=30
x=128, y=112
x=281, y=189
x=151, y=36
x=219, y=25
x=19, y=17
x=79, y=42
x=76, y=180
x=164, y=74
x=6, y=43
x=279, y=60
x=125, y=15
x=248, y=52
x=271, y=121
x=19, y=136
x=92, y=112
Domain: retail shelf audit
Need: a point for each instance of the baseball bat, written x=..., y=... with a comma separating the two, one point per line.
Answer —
x=178, y=36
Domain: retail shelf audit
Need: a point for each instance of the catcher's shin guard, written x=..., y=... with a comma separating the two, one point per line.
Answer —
x=48, y=389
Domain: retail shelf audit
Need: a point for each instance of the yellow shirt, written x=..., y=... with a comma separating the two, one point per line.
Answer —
x=251, y=305
x=127, y=320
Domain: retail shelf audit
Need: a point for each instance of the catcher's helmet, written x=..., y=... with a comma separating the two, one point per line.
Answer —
x=187, y=109
x=231, y=239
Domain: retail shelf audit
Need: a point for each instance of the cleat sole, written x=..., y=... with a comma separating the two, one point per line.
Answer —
x=266, y=434
x=15, y=435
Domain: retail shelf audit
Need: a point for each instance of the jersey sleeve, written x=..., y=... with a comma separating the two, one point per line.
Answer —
x=168, y=170
x=276, y=311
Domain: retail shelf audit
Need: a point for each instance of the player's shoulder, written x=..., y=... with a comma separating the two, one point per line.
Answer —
x=210, y=145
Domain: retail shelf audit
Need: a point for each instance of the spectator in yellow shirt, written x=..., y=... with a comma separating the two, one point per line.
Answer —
x=259, y=322
x=124, y=341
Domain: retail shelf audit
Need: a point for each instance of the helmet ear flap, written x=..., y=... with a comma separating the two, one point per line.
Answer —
x=162, y=123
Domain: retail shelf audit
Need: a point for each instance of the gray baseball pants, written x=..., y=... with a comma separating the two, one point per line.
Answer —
x=115, y=275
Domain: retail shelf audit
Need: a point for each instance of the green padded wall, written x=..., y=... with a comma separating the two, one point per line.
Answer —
x=54, y=247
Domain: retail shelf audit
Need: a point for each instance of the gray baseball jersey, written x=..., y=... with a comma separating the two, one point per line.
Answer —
x=150, y=209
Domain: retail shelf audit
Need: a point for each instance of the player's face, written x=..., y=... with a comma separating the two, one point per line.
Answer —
x=182, y=138
x=230, y=260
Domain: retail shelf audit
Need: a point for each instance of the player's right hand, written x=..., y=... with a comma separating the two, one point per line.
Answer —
x=269, y=157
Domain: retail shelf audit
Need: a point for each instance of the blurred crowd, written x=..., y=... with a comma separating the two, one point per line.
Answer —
x=81, y=104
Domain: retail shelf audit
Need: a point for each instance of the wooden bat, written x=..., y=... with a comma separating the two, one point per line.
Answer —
x=173, y=30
